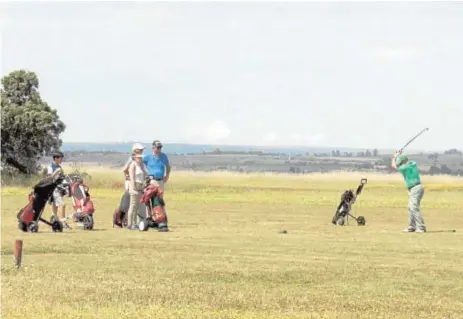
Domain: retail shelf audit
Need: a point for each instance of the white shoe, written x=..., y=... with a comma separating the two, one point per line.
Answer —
x=420, y=231
x=408, y=230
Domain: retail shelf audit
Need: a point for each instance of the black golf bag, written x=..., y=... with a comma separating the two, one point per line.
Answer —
x=343, y=211
x=120, y=213
x=29, y=216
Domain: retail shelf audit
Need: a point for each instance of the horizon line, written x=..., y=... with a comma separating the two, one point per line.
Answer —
x=255, y=145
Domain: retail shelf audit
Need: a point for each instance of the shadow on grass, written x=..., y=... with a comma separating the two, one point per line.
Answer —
x=442, y=231
x=76, y=230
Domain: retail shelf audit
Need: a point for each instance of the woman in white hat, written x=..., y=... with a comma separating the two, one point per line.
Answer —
x=137, y=174
x=135, y=147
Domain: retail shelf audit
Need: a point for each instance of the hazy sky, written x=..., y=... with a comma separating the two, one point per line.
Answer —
x=335, y=74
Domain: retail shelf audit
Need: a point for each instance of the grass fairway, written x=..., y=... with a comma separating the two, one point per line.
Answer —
x=225, y=257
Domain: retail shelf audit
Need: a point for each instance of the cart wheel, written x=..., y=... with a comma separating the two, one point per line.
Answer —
x=361, y=221
x=57, y=226
x=33, y=227
x=125, y=221
x=340, y=221
x=143, y=225
x=22, y=226
x=87, y=220
x=115, y=219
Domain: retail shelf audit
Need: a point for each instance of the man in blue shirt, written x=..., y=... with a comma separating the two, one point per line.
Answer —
x=158, y=165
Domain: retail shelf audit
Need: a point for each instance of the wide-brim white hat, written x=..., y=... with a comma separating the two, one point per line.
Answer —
x=137, y=146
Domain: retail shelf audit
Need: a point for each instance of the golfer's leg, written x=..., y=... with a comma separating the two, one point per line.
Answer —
x=54, y=210
x=159, y=184
x=137, y=209
x=418, y=192
x=411, y=217
x=62, y=210
x=54, y=206
x=59, y=204
x=130, y=213
x=132, y=210
x=58, y=201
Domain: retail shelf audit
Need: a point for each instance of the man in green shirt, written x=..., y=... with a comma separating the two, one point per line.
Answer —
x=411, y=175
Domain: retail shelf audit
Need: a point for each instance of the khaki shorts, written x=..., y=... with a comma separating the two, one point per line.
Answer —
x=58, y=199
x=159, y=184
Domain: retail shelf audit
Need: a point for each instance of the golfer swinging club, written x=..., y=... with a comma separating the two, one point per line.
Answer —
x=411, y=175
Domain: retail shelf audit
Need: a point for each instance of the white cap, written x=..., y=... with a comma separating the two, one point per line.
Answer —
x=137, y=146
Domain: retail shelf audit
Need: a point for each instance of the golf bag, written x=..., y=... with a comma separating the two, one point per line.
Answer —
x=154, y=214
x=82, y=205
x=343, y=211
x=29, y=216
x=120, y=214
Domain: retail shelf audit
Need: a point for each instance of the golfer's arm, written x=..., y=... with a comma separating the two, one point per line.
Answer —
x=126, y=169
x=132, y=175
x=168, y=170
x=168, y=167
x=393, y=163
x=56, y=172
x=145, y=170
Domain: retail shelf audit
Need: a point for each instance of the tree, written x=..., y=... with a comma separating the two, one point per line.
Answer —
x=434, y=157
x=453, y=151
x=375, y=152
x=30, y=127
x=444, y=169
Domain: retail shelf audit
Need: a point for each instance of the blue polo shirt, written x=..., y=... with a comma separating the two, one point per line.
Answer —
x=156, y=165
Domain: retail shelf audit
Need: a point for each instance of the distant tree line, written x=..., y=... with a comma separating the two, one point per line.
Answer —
x=453, y=151
x=218, y=151
x=337, y=153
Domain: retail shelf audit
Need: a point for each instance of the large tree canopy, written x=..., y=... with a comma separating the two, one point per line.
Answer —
x=30, y=127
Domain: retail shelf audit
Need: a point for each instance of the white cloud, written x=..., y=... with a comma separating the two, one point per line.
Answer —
x=217, y=130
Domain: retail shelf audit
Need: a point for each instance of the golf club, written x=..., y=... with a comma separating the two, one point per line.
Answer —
x=422, y=131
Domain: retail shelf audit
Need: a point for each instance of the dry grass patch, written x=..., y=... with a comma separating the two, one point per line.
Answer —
x=225, y=257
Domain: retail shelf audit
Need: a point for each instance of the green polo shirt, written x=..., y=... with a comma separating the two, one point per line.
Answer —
x=411, y=173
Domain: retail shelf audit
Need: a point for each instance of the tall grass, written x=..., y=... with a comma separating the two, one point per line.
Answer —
x=226, y=258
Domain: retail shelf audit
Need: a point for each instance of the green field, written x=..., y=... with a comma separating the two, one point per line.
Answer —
x=226, y=258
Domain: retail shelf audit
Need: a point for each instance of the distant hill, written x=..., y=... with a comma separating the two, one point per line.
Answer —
x=177, y=148
x=263, y=159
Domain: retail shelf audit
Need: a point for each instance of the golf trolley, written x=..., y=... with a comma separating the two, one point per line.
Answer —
x=152, y=211
x=81, y=203
x=29, y=216
x=345, y=206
